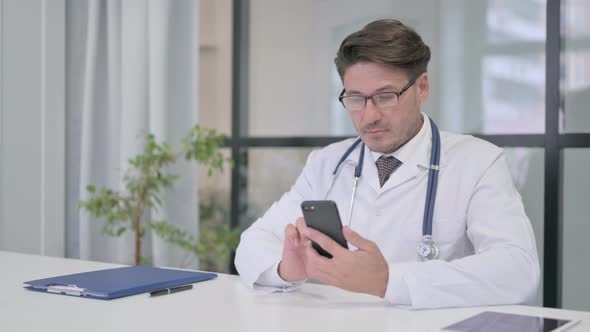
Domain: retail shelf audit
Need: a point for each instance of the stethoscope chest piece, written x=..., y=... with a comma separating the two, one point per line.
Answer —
x=427, y=249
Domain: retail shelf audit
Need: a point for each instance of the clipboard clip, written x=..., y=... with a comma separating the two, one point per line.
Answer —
x=67, y=290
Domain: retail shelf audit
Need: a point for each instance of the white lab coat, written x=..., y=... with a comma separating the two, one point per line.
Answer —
x=488, y=254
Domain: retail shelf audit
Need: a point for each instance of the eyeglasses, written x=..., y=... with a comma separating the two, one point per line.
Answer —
x=386, y=99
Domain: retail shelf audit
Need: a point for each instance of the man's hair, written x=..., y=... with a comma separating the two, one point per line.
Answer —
x=388, y=42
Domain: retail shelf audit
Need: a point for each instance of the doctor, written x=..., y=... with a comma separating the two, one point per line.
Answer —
x=476, y=248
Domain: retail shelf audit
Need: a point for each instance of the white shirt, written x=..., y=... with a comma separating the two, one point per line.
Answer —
x=488, y=254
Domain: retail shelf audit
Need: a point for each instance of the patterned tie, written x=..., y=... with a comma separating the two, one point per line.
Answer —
x=386, y=166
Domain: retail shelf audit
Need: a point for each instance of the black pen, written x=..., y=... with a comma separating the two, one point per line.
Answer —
x=166, y=291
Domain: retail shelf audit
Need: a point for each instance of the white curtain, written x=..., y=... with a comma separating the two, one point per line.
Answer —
x=131, y=69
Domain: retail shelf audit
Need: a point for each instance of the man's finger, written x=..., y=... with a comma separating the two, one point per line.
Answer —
x=324, y=241
x=301, y=226
x=358, y=241
x=316, y=263
x=299, y=221
x=291, y=234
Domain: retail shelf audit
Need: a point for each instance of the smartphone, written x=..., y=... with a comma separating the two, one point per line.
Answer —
x=323, y=216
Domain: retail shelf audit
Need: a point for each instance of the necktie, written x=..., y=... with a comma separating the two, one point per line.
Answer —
x=386, y=166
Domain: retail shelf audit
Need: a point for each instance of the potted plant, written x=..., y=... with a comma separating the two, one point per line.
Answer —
x=122, y=210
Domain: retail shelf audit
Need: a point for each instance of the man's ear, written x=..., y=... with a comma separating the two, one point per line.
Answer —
x=423, y=85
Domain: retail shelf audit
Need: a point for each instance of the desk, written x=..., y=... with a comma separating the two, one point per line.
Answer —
x=222, y=304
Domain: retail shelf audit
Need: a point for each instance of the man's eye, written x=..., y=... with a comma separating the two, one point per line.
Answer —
x=385, y=97
x=356, y=99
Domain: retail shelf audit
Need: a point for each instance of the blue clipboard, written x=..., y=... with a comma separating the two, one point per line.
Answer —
x=118, y=282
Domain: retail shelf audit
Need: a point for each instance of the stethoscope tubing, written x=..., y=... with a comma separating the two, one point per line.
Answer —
x=432, y=182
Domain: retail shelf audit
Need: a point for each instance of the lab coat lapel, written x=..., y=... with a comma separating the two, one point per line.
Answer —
x=369, y=173
x=405, y=172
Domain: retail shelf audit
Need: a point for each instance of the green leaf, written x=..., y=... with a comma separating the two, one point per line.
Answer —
x=120, y=231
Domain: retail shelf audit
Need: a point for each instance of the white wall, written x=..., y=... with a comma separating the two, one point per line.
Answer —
x=215, y=57
x=215, y=81
x=32, y=126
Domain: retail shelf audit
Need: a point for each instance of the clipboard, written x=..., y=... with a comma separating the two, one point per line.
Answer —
x=117, y=282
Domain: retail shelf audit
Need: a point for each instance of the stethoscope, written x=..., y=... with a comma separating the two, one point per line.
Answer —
x=426, y=249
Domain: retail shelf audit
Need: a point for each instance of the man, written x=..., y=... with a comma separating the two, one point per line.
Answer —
x=487, y=248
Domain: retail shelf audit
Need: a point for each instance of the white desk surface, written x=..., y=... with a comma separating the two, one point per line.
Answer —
x=222, y=304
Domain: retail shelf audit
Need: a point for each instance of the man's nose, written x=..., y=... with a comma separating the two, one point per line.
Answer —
x=371, y=113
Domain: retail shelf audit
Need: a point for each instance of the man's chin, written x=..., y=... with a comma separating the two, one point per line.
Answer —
x=379, y=147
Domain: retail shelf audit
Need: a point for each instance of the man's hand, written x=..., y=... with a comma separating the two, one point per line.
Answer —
x=363, y=271
x=292, y=265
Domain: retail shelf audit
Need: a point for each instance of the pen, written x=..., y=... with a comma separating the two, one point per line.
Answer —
x=171, y=290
